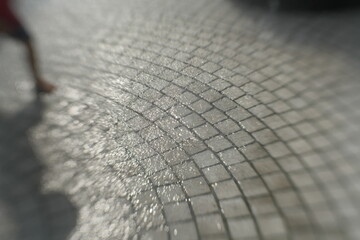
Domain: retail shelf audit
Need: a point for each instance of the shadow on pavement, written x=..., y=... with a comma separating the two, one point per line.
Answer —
x=334, y=31
x=25, y=212
x=303, y=5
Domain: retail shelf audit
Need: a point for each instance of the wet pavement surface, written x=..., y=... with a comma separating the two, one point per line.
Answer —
x=181, y=120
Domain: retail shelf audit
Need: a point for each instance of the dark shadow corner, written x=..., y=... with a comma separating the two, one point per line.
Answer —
x=30, y=214
x=301, y=6
x=315, y=24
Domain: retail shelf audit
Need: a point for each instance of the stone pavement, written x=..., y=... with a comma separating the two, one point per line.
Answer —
x=184, y=120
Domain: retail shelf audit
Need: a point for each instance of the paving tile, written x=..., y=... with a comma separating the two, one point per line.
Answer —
x=154, y=164
x=140, y=105
x=163, y=177
x=181, y=134
x=175, y=212
x=204, y=204
x=253, y=187
x=302, y=179
x=277, y=149
x=216, y=173
x=196, y=186
x=290, y=163
x=180, y=231
x=297, y=217
x=206, y=131
x=240, y=138
x=265, y=97
x=274, y=122
x=163, y=144
x=251, y=88
x=186, y=98
x=265, y=136
x=218, y=143
x=265, y=166
x=226, y=189
x=191, y=71
x=277, y=181
x=172, y=90
x=270, y=85
x=224, y=104
x=231, y=156
x=175, y=156
x=284, y=93
x=287, y=133
x=262, y=205
x=151, y=133
x=182, y=80
x=171, y=193
x=238, y=80
x=196, y=61
x=193, y=120
x=167, y=123
x=210, y=67
x=186, y=170
x=219, y=84
x=197, y=87
x=292, y=117
x=180, y=111
x=138, y=123
x=201, y=106
x=279, y=106
x=224, y=73
x=313, y=196
x=154, y=113
x=205, y=77
x=233, y=92
x=205, y=158
x=247, y=101
x=254, y=151
x=242, y=228
x=272, y=225
x=233, y=208
x=214, y=116
x=152, y=235
x=193, y=146
x=261, y=111
x=238, y=114
x=228, y=126
x=210, y=225
x=300, y=146
x=287, y=199
x=242, y=171
x=165, y=102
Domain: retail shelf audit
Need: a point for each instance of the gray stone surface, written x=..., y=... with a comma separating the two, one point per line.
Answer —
x=181, y=120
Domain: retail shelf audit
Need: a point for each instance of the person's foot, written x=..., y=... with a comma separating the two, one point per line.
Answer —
x=44, y=87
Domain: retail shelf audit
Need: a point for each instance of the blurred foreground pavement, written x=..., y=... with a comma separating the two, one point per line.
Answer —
x=181, y=120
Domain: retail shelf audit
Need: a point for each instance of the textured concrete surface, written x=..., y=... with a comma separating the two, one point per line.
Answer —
x=183, y=120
